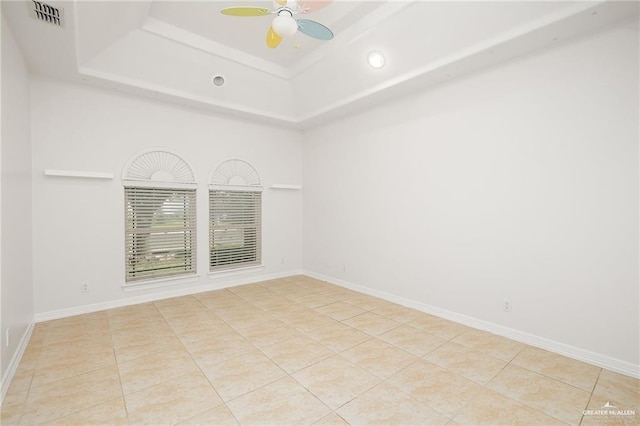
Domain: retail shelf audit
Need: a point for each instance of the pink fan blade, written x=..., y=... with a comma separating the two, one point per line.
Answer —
x=310, y=6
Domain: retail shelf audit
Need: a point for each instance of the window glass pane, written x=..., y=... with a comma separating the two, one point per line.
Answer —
x=234, y=229
x=160, y=235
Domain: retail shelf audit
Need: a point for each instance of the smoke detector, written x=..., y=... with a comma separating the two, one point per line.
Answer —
x=46, y=13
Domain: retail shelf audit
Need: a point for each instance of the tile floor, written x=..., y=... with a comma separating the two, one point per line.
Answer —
x=297, y=351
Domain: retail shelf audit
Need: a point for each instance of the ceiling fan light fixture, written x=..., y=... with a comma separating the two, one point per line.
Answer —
x=376, y=59
x=284, y=25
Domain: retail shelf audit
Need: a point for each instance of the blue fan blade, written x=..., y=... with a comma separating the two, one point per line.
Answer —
x=314, y=29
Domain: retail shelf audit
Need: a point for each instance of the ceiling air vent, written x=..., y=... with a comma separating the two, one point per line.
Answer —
x=47, y=13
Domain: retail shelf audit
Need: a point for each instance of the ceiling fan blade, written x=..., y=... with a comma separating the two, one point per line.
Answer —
x=245, y=11
x=273, y=39
x=309, y=6
x=314, y=29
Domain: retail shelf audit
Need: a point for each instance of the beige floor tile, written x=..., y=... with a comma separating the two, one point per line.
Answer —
x=296, y=353
x=314, y=300
x=11, y=413
x=492, y=408
x=364, y=301
x=87, y=322
x=340, y=310
x=158, y=328
x=552, y=397
x=379, y=358
x=610, y=412
x=491, y=344
x=293, y=315
x=331, y=420
x=218, y=416
x=397, y=313
x=371, y=323
x=77, y=336
x=196, y=320
x=573, y=372
x=218, y=348
x=624, y=390
x=220, y=299
x=31, y=355
x=240, y=321
x=179, y=357
x=111, y=412
x=412, y=340
x=128, y=313
x=130, y=346
x=436, y=387
x=19, y=387
x=438, y=326
x=261, y=335
x=615, y=401
x=172, y=401
x=61, y=361
x=155, y=368
x=239, y=375
x=179, y=306
x=312, y=322
x=202, y=332
x=384, y=405
x=339, y=337
x=473, y=365
x=276, y=302
x=335, y=381
x=48, y=402
x=248, y=291
x=284, y=402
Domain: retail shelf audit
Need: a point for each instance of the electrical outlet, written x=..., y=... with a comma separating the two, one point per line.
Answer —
x=506, y=306
x=84, y=288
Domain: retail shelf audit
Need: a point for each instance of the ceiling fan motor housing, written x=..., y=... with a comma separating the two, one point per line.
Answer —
x=283, y=24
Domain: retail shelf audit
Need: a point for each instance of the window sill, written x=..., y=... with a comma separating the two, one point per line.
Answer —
x=236, y=271
x=160, y=282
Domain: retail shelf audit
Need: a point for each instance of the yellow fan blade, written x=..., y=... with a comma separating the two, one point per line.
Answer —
x=245, y=11
x=273, y=39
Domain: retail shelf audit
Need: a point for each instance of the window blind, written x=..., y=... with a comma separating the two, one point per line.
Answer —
x=160, y=237
x=234, y=228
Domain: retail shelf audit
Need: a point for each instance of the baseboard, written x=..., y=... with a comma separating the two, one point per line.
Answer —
x=152, y=297
x=15, y=361
x=579, y=354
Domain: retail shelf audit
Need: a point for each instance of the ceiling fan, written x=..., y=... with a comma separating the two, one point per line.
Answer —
x=284, y=24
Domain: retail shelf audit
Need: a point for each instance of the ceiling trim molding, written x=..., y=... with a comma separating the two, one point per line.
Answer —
x=170, y=32
x=150, y=88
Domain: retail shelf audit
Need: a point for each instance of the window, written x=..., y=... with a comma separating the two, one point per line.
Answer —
x=235, y=216
x=160, y=232
x=160, y=217
x=234, y=228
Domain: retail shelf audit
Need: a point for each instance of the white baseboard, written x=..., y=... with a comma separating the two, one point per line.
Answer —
x=600, y=360
x=165, y=294
x=15, y=361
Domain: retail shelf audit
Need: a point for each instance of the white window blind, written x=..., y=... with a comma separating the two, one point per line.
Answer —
x=234, y=228
x=160, y=237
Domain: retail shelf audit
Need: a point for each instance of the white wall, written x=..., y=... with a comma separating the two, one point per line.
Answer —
x=78, y=224
x=519, y=182
x=15, y=178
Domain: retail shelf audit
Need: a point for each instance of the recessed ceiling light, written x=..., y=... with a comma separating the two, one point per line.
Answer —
x=376, y=59
x=217, y=80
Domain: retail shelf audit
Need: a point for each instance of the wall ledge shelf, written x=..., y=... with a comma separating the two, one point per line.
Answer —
x=285, y=186
x=76, y=174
